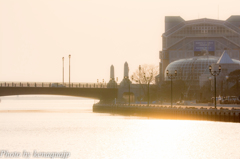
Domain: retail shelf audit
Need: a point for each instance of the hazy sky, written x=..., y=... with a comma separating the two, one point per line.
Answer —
x=36, y=34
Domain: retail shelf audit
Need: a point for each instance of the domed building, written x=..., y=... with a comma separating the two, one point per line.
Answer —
x=186, y=39
x=195, y=71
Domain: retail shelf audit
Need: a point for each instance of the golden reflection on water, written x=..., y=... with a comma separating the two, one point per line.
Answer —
x=183, y=139
x=94, y=135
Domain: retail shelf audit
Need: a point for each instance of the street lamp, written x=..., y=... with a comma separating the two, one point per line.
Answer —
x=140, y=68
x=171, y=76
x=148, y=80
x=215, y=73
x=69, y=68
x=63, y=68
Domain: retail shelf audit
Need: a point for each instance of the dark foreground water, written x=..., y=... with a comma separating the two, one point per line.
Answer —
x=68, y=125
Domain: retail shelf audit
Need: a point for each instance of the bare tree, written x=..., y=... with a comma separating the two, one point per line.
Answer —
x=146, y=73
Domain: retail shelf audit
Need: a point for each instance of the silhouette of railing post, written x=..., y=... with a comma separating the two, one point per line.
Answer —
x=42, y=84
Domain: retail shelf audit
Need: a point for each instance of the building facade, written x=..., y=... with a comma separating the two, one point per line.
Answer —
x=187, y=39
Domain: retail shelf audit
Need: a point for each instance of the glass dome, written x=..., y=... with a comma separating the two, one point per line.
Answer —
x=191, y=68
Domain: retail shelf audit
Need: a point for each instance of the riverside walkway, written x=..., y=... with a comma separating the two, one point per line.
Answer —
x=225, y=114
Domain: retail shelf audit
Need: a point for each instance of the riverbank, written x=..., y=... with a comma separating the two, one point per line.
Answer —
x=176, y=112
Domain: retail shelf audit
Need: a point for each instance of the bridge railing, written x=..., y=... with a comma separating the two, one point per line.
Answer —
x=54, y=84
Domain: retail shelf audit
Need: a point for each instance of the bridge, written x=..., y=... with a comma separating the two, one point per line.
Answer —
x=88, y=90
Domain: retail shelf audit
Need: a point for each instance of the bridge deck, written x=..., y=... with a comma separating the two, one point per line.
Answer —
x=95, y=91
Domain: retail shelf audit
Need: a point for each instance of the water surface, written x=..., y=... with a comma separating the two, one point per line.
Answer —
x=70, y=125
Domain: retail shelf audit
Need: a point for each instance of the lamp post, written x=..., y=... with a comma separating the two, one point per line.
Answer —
x=69, y=68
x=63, y=68
x=215, y=73
x=171, y=76
x=148, y=80
x=140, y=82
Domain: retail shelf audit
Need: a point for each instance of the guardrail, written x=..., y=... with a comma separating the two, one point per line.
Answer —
x=54, y=84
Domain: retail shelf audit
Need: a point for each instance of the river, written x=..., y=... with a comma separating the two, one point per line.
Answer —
x=69, y=125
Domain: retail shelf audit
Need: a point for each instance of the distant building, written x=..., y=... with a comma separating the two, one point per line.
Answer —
x=192, y=39
x=195, y=70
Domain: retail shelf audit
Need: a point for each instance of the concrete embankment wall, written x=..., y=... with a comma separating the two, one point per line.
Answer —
x=163, y=112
